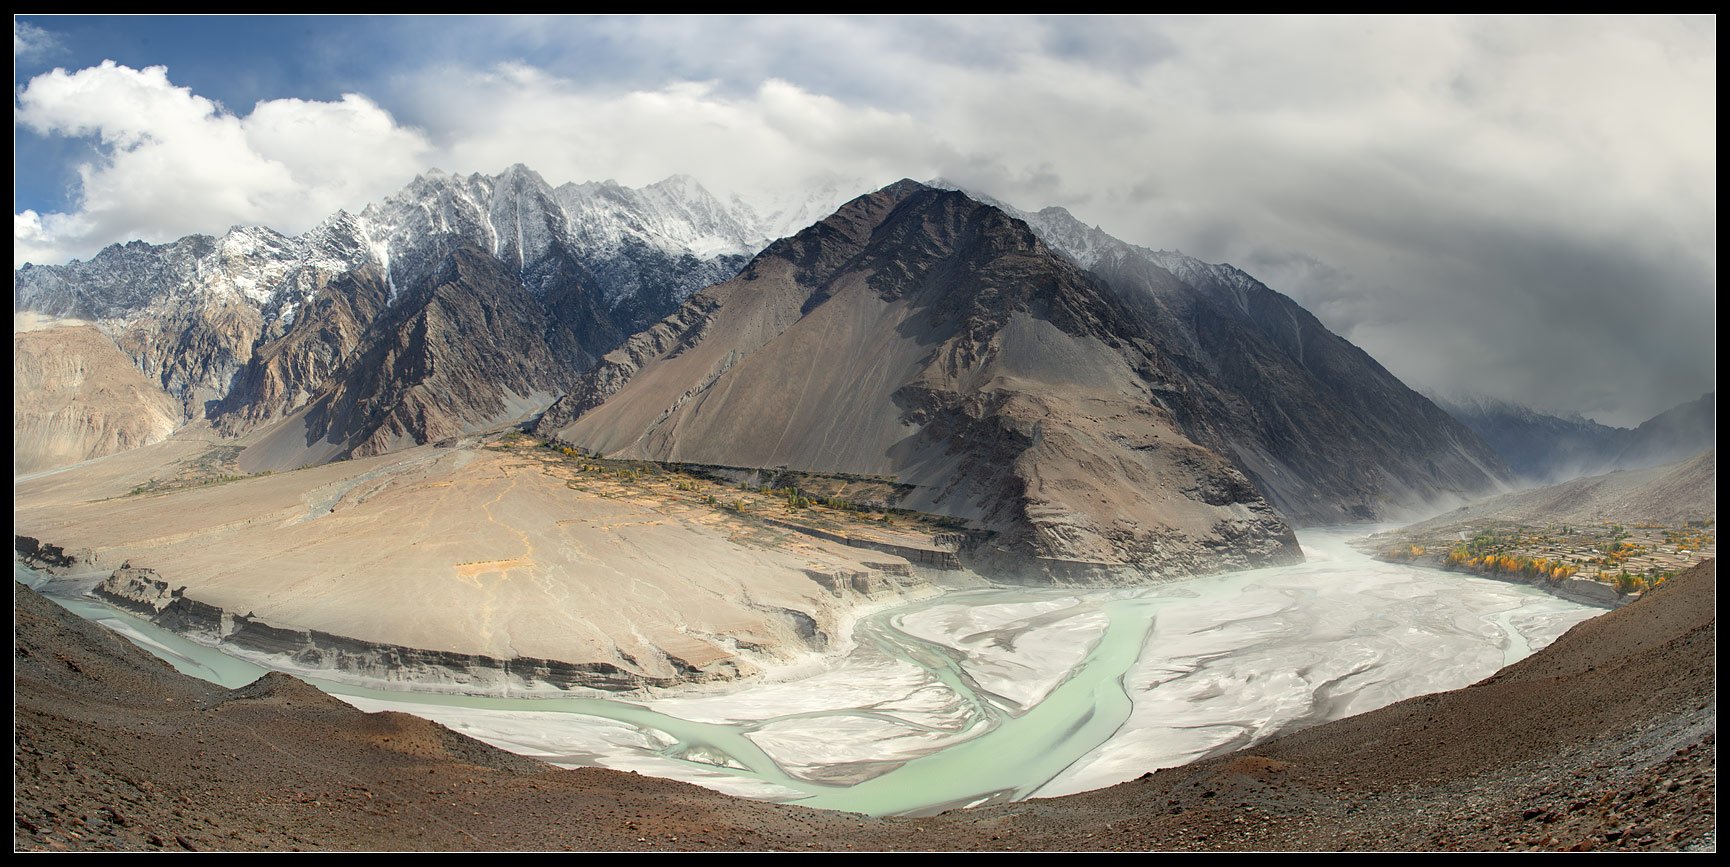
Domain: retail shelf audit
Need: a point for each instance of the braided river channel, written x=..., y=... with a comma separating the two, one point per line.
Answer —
x=987, y=696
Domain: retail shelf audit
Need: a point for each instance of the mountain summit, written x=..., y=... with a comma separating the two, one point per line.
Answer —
x=920, y=335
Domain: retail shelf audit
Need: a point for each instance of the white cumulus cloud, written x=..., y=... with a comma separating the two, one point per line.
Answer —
x=775, y=135
x=171, y=163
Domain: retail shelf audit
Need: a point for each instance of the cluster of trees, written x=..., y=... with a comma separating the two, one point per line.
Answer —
x=797, y=500
x=158, y=485
x=1690, y=539
x=1617, y=552
x=562, y=449
x=1404, y=553
x=1542, y=568
x=1634, y=582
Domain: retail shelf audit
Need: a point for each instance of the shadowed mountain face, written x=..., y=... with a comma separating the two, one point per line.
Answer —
x=1538, y=447
x=921, y=335
x=1323, y=431
x=1124, y=415
x=469, y=349
x=285, y=374
x=1329, y=435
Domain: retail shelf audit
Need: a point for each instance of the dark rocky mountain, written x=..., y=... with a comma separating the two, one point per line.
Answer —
x=469, y=348
x=1103, y=418
x=1328, y=434
x=1546, y=449
x=919, y=335
x=922, y=335
x=1538, y=447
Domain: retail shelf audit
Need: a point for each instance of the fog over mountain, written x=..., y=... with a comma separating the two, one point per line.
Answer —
x=1543, y=448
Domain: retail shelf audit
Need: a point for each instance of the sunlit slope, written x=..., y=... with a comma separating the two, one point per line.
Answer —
x=75, y=396
x=472, y=550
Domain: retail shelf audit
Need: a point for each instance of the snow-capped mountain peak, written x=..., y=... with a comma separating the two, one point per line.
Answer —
x=676, y=215
x=635, y=252
x=1090, y=246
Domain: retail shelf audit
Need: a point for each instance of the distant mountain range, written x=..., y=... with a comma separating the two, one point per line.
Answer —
x=611, y=260
x=254, y=326
x=1088, y=404
x=1669, y=494
x=1544, y=449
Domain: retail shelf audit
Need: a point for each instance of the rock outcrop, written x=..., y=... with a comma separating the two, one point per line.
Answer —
x=144, y=592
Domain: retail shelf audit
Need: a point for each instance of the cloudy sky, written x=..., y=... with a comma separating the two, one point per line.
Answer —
x=1524, y=208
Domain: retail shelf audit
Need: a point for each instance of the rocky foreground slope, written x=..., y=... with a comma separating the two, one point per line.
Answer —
x=1604, y=740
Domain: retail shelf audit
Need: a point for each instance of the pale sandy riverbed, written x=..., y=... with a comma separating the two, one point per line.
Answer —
x=1001, y=694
